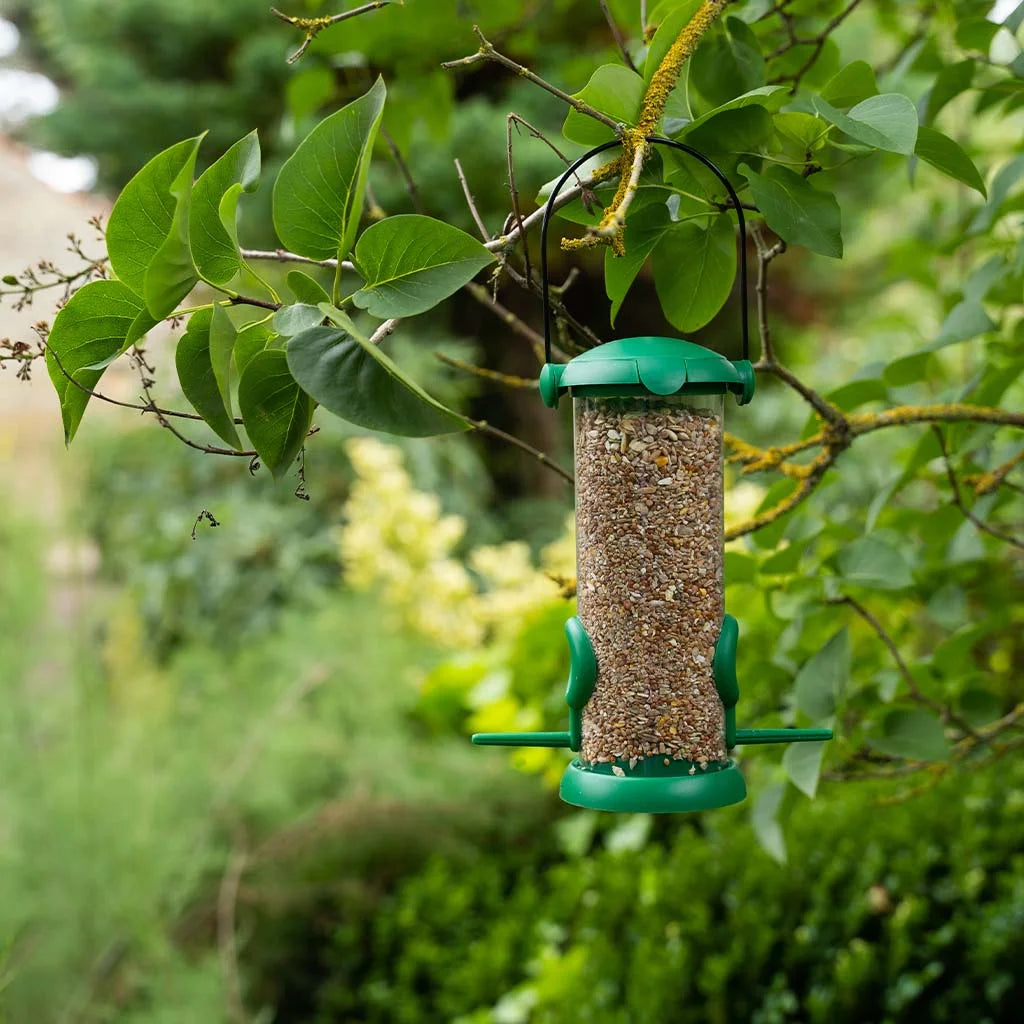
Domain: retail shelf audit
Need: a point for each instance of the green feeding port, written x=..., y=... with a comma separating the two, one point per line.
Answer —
x=652, y=785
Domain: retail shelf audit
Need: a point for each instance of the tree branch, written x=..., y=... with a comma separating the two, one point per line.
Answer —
x=314, y=26
x=488, y=53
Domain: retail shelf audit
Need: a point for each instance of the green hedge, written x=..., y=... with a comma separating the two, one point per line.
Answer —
x=887, y=912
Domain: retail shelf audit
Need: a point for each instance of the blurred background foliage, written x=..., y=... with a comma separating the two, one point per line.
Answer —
x=235, y=785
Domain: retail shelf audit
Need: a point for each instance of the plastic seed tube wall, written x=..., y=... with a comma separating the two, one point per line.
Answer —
x=649, y=575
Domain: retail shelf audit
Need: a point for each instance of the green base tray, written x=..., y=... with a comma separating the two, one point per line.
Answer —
x=672, y=790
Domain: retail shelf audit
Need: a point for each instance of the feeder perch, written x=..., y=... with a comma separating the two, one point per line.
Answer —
x=652, y=688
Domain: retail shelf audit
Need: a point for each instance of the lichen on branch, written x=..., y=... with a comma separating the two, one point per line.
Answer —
x=634, y=145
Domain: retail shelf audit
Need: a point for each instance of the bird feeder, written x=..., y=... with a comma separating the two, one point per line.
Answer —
x=652, y=688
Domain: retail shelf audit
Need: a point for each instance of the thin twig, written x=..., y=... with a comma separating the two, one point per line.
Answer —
x=817, y=42
x=487, y=52
x=524, y=330
x=916, y=694
x=986, y=483
x=284, y=256
x=511, y=119
x=620, y=40
x=314, y=26
x=531, y=284
x=227, y=936
x=384, y=330
x=471, y=203
x=507, y=380
x=403, y=169
x=958, y=500
x=765, y=254
x=486, y=428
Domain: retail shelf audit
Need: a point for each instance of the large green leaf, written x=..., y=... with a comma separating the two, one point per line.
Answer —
x=771, y=97
x=147, y=234
x=252, y=339
x=410, y=263
x=797, y=211
x=194, y=359
x=727, y=63
x=949, y=83
x=875, y=561
x=306, y=289
x=275, y=410
x=913, y=733
x=318, y=195
x=821, y=682
x=802, y=763
x=887, y=122
x=212, y=217
x=87, y=335
x=644, y=230
x=614, y=90
x=855, y=83
x=694, y=268
x=290, y=320
x=947, y=156
x=966, y=320
x=764, y=819
x=356, y=381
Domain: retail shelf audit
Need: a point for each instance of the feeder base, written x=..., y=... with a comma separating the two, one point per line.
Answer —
x=648, y=790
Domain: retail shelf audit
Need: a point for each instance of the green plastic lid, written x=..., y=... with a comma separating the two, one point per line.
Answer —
x=655, y=366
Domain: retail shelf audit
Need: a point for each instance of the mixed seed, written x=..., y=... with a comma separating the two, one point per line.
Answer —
x=649, y=577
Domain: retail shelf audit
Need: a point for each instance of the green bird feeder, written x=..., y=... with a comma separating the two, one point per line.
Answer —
x=652, y=688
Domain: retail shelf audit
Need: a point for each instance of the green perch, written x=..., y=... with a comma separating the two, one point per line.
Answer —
x=583, y=676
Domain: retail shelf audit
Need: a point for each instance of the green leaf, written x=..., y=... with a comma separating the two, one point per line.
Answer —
x=796, y=211
x=909, y=370
x=222, y=346
x=913, y=733
x=743, y=130
x=694, y=268
x=213, y=235
x=856, y=82
x=306, y=289
x=727, y=63
x=802, y=763
x=290, y=320
x=966, y=320
x=805, y=130
x=771, y=97
x=976, y=34
x=876, y=562
x=949, y=83
x=887, y=122
x=411, y=263
x=198, y=380
x=275, y=410
x=252, y=339
x=980, y=708
x=318, y=195
x=614, y=90
x=946, y=155
x=644, y=230
x=764, y=819
x=147, y=234
x=822, y=681
x=87, y=335
x=356, y=381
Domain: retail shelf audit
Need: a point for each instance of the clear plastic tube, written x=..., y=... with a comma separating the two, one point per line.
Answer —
x=649, y=499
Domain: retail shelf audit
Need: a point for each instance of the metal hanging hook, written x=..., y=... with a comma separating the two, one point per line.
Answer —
x=658, y=140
